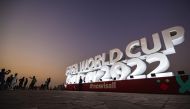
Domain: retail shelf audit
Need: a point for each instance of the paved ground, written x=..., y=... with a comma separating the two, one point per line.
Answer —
x=90, y=100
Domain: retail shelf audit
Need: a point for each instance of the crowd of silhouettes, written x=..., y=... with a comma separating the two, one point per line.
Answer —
x=12, y=82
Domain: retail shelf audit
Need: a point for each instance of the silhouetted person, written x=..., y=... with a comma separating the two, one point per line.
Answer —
x=9, y=81
x=80, y=83
x=84, y=80
x=33, y=82
x=2, y=77
x=14, y=81
x=25, y=83
x=21, y=81
x=47, y=83
x=42, y=87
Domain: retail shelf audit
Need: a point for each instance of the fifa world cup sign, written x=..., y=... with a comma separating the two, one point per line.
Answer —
x=117, y=64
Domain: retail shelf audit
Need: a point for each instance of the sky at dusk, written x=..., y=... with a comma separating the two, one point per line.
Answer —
x=43, y=37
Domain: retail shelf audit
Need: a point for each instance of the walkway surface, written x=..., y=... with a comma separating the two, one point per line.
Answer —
x=90, y=100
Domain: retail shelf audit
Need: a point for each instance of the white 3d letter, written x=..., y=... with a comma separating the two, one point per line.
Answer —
x=156, y=41
x=115, y=55
x=90, y=63
x=132, y=46
x=163, y=66
x=172, y=36
x=140, y=69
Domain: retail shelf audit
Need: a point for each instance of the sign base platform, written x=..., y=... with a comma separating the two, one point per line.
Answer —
x=179, y=84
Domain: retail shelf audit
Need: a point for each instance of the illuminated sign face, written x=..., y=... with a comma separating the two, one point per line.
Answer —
x=117, y=65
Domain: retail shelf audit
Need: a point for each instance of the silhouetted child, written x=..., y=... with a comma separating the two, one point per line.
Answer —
x=21, y=81
x=47, y=83
x=25, y=83
x=33, y=82
x=14, y=81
